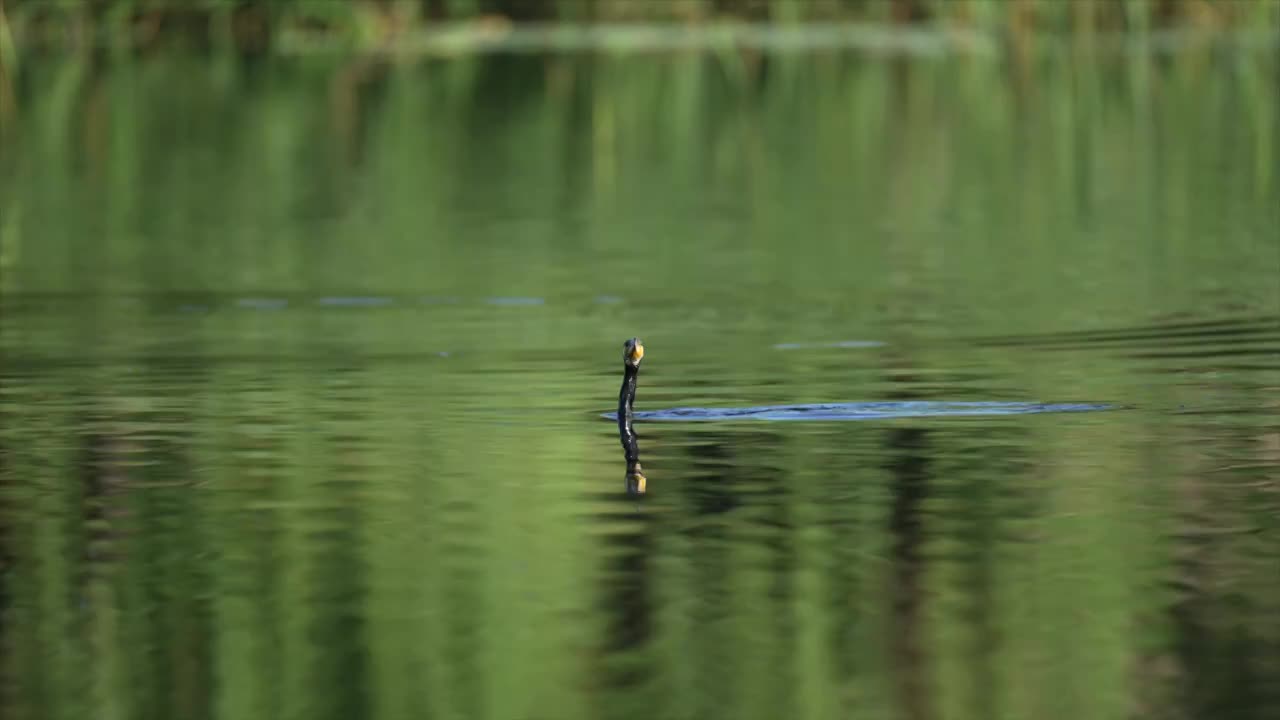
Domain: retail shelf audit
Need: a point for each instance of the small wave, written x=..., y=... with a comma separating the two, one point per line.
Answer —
x=864, y=411
x=838, y=344
x=516, y=301
x=356, y=301
x=262, y=303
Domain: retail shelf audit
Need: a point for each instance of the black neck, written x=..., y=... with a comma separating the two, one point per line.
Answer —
x=626, y=397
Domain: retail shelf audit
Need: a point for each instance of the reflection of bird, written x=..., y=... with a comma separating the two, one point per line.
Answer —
x=632, y=353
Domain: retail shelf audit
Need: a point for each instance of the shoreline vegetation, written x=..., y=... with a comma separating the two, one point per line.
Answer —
x=94, y=30
x=446, y=27
x=77, y=37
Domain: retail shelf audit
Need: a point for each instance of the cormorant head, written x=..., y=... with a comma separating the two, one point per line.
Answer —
x=632, y=352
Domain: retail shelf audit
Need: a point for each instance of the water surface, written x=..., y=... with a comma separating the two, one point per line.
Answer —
x=302, y=365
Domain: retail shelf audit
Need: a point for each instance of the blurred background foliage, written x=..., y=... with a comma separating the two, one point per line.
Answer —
x=259, y=24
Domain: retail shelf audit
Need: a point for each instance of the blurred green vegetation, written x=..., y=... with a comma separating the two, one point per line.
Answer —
x=253, y=24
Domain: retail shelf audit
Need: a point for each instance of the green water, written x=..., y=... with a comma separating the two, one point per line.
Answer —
x=302, y=364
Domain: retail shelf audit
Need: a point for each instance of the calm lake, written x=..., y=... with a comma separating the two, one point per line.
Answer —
x=303, y=363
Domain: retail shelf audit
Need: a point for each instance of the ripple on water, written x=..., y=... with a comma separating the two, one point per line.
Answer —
x=356, y=300
x=837, y=344
x=865, y=410
x=515, y=301
x=255, y=303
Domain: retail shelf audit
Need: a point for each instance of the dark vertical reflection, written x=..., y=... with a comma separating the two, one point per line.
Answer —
x=709, y=496
x=90, y=139
x=1216, y=665
x=8, y=519
x=463, y=600
x=908, y=450
x=712, y=489
x=1083, y=171
x=908, y=453
x=978, y=540
x=731, y=498
x=842, y=494
x=627, y=602
x=170, y=565
x=1225, y=637
x=337, y=576
x=772, y=518
x=253, y=440
x=505, y=92
x=627, y=597
x=98, y=526
x=571, y=81
x=357, y=93
x=9, y=494
x=168, y=570
x=98, y=548
x=505, y=86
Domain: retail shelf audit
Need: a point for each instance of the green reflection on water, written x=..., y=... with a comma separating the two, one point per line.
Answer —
x=228, y=494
